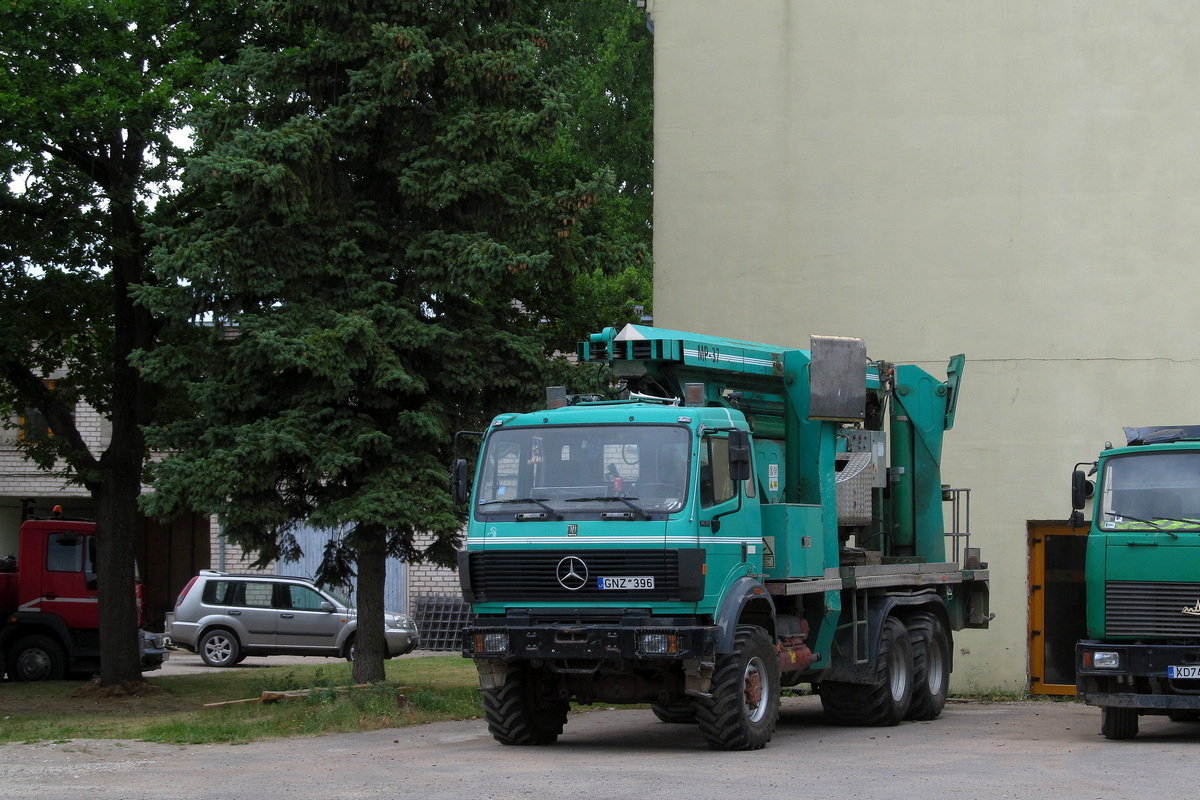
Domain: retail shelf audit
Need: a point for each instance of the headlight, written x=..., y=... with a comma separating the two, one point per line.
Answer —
x=655, y=643
x=491, y=642
x=398, y=622
x=1102, y=659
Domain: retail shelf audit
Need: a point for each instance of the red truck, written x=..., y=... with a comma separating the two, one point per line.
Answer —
x=51, y=619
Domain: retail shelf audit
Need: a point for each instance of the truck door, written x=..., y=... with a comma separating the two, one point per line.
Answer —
x=724, y=530
x=69, y=581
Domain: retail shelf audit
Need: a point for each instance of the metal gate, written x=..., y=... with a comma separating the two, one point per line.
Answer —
x=312, y=543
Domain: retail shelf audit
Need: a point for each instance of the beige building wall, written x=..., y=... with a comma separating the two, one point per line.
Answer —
x=1018, y=181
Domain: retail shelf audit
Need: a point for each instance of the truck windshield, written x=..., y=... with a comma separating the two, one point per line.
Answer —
x=1151, y=491
x=586, y=469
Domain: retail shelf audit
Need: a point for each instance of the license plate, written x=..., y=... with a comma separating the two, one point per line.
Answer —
x=1184, y=672
x=636, y=582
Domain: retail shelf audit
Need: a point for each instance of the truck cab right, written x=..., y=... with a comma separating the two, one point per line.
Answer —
x=1142, y=651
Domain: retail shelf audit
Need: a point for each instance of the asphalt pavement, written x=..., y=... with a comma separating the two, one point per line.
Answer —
x=1024, y=750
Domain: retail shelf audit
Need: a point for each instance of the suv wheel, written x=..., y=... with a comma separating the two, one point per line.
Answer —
x=219, y=648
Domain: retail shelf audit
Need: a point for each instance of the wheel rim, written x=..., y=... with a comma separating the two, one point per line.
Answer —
x=33, y=665
x=754, y=691
x=899, y=675
x=934, y=667
x=218, y=649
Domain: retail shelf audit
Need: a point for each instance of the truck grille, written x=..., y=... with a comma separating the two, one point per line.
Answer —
x=533, y=575
x=1145, y=608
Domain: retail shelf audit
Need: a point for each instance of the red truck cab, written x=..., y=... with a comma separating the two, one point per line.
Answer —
x=51, y=620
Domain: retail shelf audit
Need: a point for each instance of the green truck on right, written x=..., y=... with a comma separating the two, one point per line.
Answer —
x=1142, y=651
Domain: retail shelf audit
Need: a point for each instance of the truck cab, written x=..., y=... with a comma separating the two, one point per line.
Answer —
x=49, y=600
x=1142, y=578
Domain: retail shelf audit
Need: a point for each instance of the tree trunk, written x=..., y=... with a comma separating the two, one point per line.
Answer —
x=371, y=546
x=121, y=464
x=120, y=659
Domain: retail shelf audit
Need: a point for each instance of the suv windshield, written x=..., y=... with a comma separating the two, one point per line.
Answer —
x=588, y=469
x=1151, y=491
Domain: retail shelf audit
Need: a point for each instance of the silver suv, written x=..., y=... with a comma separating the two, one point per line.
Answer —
x=226, y=617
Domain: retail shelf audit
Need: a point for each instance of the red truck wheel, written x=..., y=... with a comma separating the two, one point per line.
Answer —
x=37, y=658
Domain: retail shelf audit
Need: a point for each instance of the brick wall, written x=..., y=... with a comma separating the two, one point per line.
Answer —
x=428, y=579
x=235, y=560
x=20, y=478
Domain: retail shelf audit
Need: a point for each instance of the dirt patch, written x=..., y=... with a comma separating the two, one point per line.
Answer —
x=93, y=690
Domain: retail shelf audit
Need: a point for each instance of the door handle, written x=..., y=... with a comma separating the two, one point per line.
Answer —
x=51, y=596
x=287, y=616
x=235, y=613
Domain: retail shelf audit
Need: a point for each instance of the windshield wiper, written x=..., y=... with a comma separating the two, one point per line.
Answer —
x=1154, y=525
x=618, y=498
x=542, y=503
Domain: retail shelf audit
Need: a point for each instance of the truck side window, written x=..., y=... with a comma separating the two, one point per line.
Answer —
x=89, y=568
x=715, y=484
x=64, y=552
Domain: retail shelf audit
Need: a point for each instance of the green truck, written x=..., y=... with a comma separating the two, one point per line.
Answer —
x=1142, y=579
x=746, y=518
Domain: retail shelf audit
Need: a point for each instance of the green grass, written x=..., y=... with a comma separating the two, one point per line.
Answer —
x=170, y=709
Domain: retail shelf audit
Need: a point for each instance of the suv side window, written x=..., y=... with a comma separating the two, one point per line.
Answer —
x=257, y=595
x=304, y=598
x=217, y=593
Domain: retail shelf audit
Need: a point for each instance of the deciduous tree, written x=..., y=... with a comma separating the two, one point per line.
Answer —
x=89, y=96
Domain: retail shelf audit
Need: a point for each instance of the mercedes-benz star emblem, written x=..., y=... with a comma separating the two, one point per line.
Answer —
x=572, y=573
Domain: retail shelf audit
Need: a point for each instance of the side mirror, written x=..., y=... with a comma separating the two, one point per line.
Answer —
x=739, y=456
x=459, y=488
x=327, y=607
x=1081, y=489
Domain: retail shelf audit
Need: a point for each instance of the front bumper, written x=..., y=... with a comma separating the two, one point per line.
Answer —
x=589, y=642
x=1139, y=678
x=401, y=641
x=153, y=650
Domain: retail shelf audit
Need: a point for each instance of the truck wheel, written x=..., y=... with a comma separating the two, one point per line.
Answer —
x=931, y=666
x=219, y=648
x=884, y=702
x=679, y=712
x=744, y=706
x=1118, y=723
x=522, y=712
x=37, y=658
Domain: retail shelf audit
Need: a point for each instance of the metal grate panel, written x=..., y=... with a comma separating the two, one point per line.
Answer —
x=533, y=575
x=1152, y=608
x=440, y=620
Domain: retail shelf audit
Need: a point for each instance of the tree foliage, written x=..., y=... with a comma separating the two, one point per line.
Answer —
x=607, y=60
x=392, y=214
x=88, y=99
